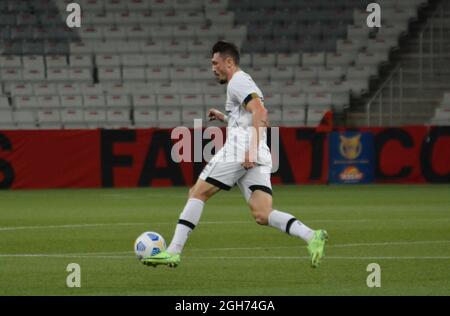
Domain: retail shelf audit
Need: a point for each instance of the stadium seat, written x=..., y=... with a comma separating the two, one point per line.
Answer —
x=91, y=89
x=313, y=59
x=269, y=87
x=133, y=74
x=191, y=113
x=94, y=101
x=139, y=88
x=272, y=100
x=33, y=62
x=169, y=117
x=58, y=74
x=17, y=89
x=275, y=116
x=80, y=75
x=282, y=73
x=11, y=75
x=118, y=118
x=49, y=119
x=330, y=73
x=80, y=61
x=49, y=102
x=71, y=101
x=189, y=88
x=107, y=60
x=56, y=61
x=290, y=60
x=68, y=89
x=4, y=103
x=319, y=100
x=214, y=100
x=180, y=73
x=306, y=73
x=289, y=87
x=167, y=100
x=6, y=119
x=109, y=74
x=165, y=88
x=315, y=87
x=158, y=74
x=259, y=73
x=72, y=118
x=338, y=59
x=145, y=118
x=446, y=100
x=118, y=101
x=315, y=116
x=24, y=119
x=133, y=60
x=293, y=116
x=294, y=100
x=24, y=102
x=202, y=73
x=10, y=61
x=262, y=60
x=144, y=100
x=158, y=60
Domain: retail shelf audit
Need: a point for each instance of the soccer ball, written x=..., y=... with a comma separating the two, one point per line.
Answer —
x=149, y=244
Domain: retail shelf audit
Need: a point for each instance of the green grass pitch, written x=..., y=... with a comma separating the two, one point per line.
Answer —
x=405, y=229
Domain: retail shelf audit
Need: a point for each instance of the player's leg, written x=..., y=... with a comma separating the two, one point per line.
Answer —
x=256, y=187
x=260, y=203
x=190, y=216
x=214, y=177
x=188, y=220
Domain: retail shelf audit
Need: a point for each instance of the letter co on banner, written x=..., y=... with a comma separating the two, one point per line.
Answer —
x=351, y=157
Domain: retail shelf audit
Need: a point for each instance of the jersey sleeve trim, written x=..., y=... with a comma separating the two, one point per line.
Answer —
x=250, y=97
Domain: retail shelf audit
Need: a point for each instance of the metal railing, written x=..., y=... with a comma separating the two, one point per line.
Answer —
x=431, y=44
x=396, y=75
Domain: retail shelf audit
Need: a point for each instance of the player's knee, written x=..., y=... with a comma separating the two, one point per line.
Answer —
x=260, y=215
x=196, y=193
x=261, y=218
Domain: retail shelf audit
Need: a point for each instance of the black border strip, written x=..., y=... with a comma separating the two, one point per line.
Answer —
x=218, y=184
x=263, y=188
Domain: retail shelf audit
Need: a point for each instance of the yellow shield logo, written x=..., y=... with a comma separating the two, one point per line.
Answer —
x=350, y=147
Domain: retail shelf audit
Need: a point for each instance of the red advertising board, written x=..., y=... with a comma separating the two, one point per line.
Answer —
x=132, y=158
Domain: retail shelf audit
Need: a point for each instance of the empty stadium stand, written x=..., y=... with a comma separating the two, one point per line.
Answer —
x=146, y=63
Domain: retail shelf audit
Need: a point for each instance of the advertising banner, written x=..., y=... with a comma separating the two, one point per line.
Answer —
x=352, y=158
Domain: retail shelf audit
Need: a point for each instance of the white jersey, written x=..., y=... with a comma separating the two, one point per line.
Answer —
x=241, y=90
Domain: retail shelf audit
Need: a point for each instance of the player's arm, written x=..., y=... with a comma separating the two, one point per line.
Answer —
x=260, y=121
x=214, y=114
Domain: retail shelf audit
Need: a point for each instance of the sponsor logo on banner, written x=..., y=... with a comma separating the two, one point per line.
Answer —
x=351, y=173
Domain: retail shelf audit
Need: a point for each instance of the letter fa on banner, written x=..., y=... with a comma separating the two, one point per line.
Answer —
x=74, y=278
x=74, y=18
x=374, y=279
x=374, y=18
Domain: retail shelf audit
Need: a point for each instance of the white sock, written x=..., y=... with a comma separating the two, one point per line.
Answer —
x=189, y=218
x=289, y=224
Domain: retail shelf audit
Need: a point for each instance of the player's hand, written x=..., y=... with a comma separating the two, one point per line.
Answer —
x=247, y=164
x=214, y=114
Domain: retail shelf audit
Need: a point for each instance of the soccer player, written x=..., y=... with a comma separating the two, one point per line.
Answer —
x=244, y=160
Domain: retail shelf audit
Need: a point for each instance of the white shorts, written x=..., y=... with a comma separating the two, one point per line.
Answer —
x=225, y=175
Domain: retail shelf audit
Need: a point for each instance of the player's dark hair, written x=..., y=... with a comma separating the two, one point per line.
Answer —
x=227, y=49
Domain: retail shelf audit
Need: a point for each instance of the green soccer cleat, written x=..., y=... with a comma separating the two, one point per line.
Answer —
x=316, y=247
x=163, y=258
